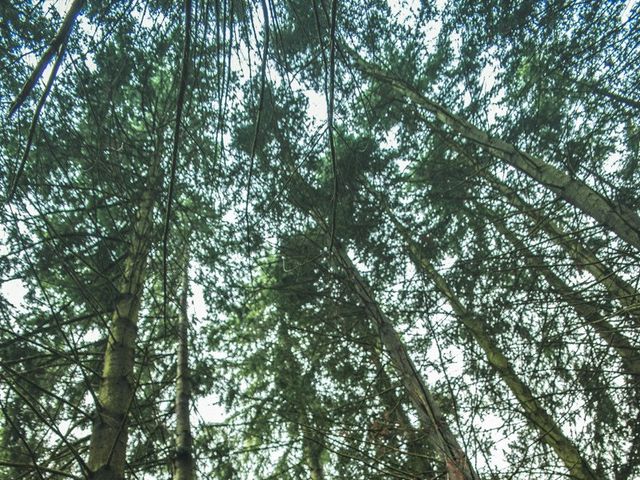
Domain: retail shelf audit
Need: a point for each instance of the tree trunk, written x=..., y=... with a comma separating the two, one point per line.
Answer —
x=183, y=466
x=617, y=287
x=420, y=461
x=440, y=435
x=312, y=454
x=107, y=451
x=621, y=220
x=588, y=313
x=536, y=414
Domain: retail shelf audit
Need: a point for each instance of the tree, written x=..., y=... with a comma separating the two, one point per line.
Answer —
x=413, y=227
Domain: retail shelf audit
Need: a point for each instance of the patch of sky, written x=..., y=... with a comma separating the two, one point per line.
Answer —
x=14, y=292
x=628, y=9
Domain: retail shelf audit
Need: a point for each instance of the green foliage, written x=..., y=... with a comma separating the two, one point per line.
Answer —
x=287, y=350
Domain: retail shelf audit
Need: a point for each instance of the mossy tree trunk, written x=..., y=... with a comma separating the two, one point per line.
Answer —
x=439, y=434
x=621, y=220
x=616, y=286
x=312, y=450
x=420, y=462
x=586, y=311
x=107, y=451
x=534, y=411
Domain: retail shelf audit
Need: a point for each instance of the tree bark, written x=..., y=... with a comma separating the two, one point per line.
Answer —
x=538, y=417
x=439, y=435
x=617, y=287
x=312, y=453
x=587, y=312
x=420, y=462
x=61, y=37
x=107, y=451
x=183, y=465
x=621, y=220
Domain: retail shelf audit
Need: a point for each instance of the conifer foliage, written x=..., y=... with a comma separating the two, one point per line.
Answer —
x=325, y=239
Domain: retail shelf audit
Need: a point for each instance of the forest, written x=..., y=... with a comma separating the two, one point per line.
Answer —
x=320, y=239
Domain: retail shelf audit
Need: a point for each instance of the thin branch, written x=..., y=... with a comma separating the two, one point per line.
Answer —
x=254, y=145
x=34, y=123
x=332, y=79
x=176, y=143
x=60, y=40
x=52, y=471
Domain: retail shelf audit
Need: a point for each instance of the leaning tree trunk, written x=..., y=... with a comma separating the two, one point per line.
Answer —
x=420, y=459
x=183, y=464
x=621, y=220
x=439, y=435
x=537, y=415
x=107, y=451
x=618, y=288
x=587, y=312
x=421, y=463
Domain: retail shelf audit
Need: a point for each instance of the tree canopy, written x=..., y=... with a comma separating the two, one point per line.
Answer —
x=320, y=239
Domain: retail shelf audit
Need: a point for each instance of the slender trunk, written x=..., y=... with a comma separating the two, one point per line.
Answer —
x=620, y=219
x=14, y=446
x=107, y=451
x=592, y=87
x=440, y=435
x=183, y=466
x=588, y=313
x=617, y=287
x=420, y=462
x=534, y=411
x=60, y=39
x=312, y=450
